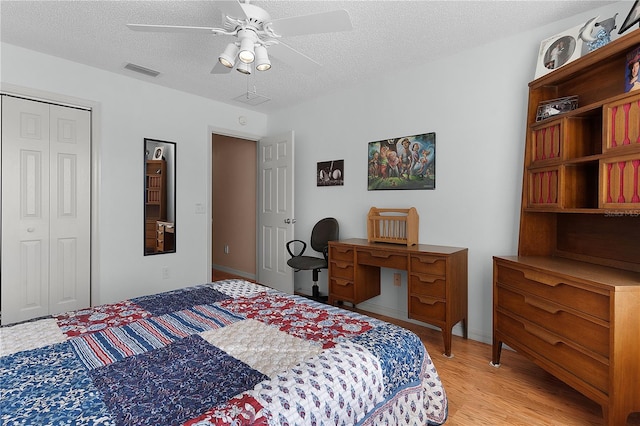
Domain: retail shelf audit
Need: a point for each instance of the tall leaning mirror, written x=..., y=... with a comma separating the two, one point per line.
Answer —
x=159, y=197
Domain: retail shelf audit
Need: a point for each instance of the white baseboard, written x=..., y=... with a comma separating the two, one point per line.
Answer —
x=228, y=270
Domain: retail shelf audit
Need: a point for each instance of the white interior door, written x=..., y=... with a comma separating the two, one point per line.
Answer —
x=46, y=182
x=275, y=211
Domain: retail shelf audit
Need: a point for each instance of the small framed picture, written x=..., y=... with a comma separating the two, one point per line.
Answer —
x=632, y=69
x=157, y=153
x=556, y=106
x=330, y=173
x=559, y=50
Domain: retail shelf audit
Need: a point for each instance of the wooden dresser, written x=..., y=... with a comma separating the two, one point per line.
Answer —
x=570, y=300
x=437, y=278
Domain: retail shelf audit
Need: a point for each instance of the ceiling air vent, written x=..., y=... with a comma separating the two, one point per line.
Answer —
x=142, y=70
x=251, y=98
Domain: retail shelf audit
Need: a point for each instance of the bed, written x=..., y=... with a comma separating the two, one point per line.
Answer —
x=229, y=352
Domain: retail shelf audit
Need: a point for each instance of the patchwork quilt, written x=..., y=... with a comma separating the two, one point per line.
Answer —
x=225, y=353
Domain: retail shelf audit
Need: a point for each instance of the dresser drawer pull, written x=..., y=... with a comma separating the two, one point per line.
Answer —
x=542, y=334
x=342, y=265
x=343, y=283
x=427, y=301
x=541, y=278
x=537, y=303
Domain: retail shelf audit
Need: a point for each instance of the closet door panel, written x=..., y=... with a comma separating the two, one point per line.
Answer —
x=70, y=209
x=25, y=210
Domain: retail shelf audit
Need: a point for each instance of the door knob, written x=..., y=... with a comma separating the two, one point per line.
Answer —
x=287, y=221
x=31, y=229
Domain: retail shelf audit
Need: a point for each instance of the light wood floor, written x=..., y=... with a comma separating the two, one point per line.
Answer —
x=517, y=393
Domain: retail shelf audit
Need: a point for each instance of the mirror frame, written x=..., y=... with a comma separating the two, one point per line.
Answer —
x=159, y=236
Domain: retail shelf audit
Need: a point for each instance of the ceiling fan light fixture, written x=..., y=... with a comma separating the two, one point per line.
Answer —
x=262, y=59
x=228, y=57
x=246, y=54
x=248, y=39
x=244, y=68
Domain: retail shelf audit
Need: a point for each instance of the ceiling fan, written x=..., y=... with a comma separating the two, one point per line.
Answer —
x=255, y=32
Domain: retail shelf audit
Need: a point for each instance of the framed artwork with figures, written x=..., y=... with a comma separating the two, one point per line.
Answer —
x=407, y=162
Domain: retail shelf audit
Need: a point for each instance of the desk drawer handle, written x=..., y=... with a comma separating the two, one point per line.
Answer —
x=429, y=280
x=542, y=334
x=381, y=255
x=537, y=303
x=429, y=260
x=342, y=282
x=343, y=265
x=427, y=301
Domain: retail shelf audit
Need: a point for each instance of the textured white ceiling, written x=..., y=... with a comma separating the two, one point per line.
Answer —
x=387, y=35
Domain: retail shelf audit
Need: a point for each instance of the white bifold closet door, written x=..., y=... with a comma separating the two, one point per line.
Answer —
x=46, y=208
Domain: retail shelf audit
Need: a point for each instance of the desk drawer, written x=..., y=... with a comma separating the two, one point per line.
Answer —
x=591, y=369
x=428, y=285
x=593, y=335
x=560, y=290
x=426, y=308
x=429, y=265
x=340, y=252
x=341, y=289
x=342, y=270
x=384, y=259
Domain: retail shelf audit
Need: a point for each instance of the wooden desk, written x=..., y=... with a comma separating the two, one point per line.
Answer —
x=165, y=236
x=437, y=279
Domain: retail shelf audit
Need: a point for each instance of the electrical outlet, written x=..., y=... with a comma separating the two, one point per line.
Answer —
x=397, y=279
x=165, y=272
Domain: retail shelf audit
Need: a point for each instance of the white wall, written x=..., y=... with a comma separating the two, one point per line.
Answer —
x=476, y=103
x=130, y=110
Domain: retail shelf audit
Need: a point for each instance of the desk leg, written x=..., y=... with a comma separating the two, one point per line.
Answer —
x=446, y=336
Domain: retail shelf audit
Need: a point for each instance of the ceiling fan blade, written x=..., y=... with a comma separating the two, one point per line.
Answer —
x=173, y=29
x=218, y=68
x=289, y=55
x=231, y=8
x=325, y=22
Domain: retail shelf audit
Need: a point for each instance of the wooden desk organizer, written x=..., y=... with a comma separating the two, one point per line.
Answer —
x=396, y=226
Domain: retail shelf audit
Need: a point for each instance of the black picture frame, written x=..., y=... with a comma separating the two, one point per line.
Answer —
x=633, y=17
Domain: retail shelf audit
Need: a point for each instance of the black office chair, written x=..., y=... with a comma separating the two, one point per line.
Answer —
x=324, y=231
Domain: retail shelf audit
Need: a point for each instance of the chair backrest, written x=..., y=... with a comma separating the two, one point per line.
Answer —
x=324, y=231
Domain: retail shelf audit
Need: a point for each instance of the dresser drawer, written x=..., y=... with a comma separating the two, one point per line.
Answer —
x=340, y=252
x=342, y=270
x=428, y=285
x=341, y=289
x=426, y=308
x=593, y=370
x=555, y=288
x=429, y=265
x=382, y=258
x=592, y=334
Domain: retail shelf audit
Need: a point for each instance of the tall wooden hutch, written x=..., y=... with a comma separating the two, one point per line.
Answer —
x=570, y=299
x=155, y=201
